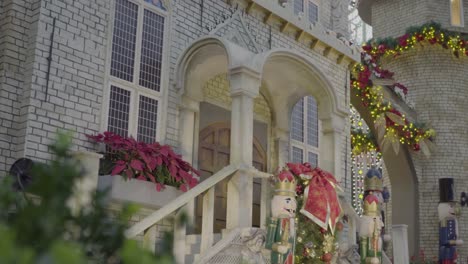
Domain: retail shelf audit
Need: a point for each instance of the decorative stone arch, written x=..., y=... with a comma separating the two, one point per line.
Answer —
x=289, y=76
x=404, y=182
x=204, y=59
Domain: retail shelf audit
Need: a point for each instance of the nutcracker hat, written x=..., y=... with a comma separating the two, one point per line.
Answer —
x=446, y=190
x=371, y=205
x=285, y=184
x=373, y=180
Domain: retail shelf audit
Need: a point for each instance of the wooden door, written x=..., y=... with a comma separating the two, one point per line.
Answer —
x=213, y=155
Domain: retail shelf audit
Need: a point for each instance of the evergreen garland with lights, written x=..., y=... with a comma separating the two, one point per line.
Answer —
x=391, y=125
x=313, y=243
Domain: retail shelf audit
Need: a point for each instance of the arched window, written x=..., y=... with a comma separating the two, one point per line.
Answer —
x=456, y=13
x=304, y=135
x=135, y=78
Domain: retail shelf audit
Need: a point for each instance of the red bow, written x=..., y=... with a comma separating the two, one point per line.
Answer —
x=321, y=203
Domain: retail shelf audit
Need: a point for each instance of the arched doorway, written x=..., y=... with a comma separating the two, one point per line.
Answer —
x=213, y=155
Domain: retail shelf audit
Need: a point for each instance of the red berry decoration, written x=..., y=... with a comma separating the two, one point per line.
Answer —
x=327, y=257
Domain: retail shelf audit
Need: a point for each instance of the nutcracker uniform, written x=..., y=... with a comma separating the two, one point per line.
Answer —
x=448, y=224
x=281, y=232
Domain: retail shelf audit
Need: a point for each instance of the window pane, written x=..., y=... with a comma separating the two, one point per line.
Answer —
x=298, y=6
x=151, y=50
x=456, y=7
x=119, y=108
x=313, y=12
x=124, y=39
x=147, y=119
x=312, y=158
x=297, y=121
x=297, y=155
x=312, y=121
x=157, y=3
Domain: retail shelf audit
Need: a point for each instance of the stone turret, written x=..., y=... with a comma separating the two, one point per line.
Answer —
x=390, y=18
x=438, y=85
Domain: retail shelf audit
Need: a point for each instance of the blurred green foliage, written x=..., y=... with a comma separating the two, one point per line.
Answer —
x=37, y=226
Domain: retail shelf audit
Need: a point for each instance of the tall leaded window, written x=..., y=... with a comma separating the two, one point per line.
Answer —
x=298, y=7
x=312, y=10
x=136, y=63
x=307, y=8
x=456, y=13
x=305, y=131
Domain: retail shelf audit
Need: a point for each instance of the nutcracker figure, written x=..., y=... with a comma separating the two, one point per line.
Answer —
x=281, y=234
x=448, y=225
x=370, y=227
x=373, y=183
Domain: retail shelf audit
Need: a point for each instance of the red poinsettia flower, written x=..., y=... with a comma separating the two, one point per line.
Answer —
x=151, y=162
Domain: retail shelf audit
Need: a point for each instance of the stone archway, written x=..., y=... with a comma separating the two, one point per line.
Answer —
x=289, y=76
x=402, y=175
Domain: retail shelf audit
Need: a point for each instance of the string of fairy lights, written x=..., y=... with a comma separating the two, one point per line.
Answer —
x=361, y=161
x=394, y=125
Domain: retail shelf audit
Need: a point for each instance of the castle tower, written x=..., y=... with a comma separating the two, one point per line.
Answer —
x=438, y=85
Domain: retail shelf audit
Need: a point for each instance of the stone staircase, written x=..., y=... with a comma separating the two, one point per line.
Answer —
x=192, y=246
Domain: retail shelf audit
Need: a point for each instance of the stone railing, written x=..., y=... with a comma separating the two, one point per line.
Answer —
x=240, y=191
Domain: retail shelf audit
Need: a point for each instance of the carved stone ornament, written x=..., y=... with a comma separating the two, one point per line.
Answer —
x=348, y=255
x=232, y=25
x=242, y=246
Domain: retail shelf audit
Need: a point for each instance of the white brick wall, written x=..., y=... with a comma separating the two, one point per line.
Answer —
x=392, y=18
x=16, y=18
x=29, y=121
x=76, y=75
x=437, y=83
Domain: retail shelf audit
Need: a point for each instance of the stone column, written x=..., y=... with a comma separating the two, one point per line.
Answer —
x=281, y=138
x=188, y=112
x=400, y=244
x=245, y=85
x=331, y=145
x=87, y=185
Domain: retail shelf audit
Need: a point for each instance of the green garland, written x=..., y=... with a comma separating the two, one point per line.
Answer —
x=362, y=142
x=313, y=243
x=392, y=126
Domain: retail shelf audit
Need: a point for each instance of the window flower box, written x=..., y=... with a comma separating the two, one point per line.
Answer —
x=141, y=163
x=136, y=191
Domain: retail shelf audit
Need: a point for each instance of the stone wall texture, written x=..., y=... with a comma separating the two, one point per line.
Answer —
x=35, y=104
x=438, y=84
x=392, y=18
x=439, y=91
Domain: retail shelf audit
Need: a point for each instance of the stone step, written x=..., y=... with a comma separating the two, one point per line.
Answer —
x=192, y=248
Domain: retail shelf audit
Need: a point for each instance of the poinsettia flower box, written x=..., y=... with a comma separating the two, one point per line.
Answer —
x=140, y=192
x=144, y=163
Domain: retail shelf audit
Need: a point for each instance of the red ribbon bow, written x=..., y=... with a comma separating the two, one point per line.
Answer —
x=321, y=203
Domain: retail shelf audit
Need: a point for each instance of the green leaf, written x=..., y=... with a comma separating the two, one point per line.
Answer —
x=64, y=252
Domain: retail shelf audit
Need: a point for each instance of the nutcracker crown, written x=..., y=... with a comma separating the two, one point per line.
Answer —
x=373, y=180
x=371, y=205
x=285, y=184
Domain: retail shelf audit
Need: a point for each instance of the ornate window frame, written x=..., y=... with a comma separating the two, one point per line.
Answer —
x=304, y=11
x=136, y=90
x=307, y=148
